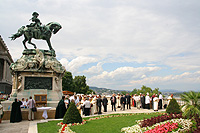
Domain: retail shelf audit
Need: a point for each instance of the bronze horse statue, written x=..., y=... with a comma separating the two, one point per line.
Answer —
x=43, y=33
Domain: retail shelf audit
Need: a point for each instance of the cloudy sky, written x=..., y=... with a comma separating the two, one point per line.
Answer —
x=117, y=44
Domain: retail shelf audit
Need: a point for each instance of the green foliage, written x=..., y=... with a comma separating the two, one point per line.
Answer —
x=144, y=90
x=192, y=105
x=78, y=84
x=48, y=127
x=72, y=115
x=115, y=124
x=173, y=107
x=124, y=92
x=101, y=125
x=134, y=91
x=67, y=82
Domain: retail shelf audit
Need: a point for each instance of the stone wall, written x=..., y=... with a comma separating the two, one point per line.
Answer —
x=5, y=74
x=37, y=115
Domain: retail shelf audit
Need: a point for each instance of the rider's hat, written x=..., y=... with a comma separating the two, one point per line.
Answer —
x=35, y=14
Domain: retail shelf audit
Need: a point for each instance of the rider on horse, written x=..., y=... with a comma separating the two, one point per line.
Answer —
x=37, y=31
x=36, y=22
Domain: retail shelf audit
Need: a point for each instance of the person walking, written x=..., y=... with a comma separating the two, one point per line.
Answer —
x=31, y=104
x=113, y=102
x=105, y=103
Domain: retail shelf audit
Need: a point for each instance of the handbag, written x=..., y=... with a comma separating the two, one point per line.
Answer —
x=34, y=109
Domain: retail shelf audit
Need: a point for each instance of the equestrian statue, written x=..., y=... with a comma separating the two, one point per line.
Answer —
x=37, y=31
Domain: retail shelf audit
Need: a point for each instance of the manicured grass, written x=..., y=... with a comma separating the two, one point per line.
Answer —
x=105, y=125
x=48, y=127
x=109, y=125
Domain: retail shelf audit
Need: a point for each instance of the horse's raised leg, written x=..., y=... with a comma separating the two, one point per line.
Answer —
x=29, y=41
x=24, y=42
x=49, y=44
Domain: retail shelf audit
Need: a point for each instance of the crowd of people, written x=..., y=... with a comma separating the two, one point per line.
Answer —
x=16, y=115
x=4, y=96
x=92, y=104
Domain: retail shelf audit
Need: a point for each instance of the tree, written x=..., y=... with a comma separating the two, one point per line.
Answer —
x=192, y=105
x=156, y=91
x=145, y=89
x=81, y=86
x=67, y=82
x=72, y=115
x=173, y=107
x=134, y=91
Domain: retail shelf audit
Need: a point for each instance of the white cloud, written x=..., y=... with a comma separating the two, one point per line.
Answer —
x=94, y=69
x=189, y=62
x=154, y=33
x=121, y=76
x=74, y=65
x=183, y=81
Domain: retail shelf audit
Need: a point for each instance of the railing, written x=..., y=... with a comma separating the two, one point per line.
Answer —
x=179, y=101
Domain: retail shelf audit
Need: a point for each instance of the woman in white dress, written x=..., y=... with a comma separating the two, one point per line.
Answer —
x=155, y=104
x=94, y=107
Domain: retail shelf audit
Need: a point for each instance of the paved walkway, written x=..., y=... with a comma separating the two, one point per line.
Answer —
x=31, y=126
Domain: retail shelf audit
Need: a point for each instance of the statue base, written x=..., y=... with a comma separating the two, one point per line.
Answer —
x=37, y=72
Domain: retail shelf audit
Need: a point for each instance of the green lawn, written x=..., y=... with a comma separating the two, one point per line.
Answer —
x=105, y=125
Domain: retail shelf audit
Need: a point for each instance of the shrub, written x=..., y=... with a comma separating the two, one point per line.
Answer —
x=72, y=115
x=173, y=107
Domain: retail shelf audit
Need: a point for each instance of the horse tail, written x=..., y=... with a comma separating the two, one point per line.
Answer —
x=19, y=33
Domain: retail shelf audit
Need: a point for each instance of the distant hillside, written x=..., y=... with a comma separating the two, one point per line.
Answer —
x=105, y=91
x=172, y=91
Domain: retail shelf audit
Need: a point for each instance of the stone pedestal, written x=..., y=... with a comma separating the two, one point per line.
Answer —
x=37, y=72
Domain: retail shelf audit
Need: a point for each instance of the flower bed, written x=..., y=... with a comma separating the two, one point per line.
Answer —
x=158, y=119
x=167, y=127
x=65, y=128
x=181, y=125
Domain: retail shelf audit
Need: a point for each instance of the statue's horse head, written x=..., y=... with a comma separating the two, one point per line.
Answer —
x=54, y=27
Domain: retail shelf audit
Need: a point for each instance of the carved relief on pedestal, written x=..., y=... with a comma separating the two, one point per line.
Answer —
x=37, y=71
x=37, y=60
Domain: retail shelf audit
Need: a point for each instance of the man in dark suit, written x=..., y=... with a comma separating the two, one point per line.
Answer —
x=113, y=102
x=123, y=102
x=105, y=103
x=99, y=104
x=128, y=101
x=143, y=101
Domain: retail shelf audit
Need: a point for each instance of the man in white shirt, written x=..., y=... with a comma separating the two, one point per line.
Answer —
x=160, y=101
x=23, y=103
x=31, y=104
x=147, y=101
x=118, y=100
x=137, y=99
x=67, y=101
x=87, y=106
